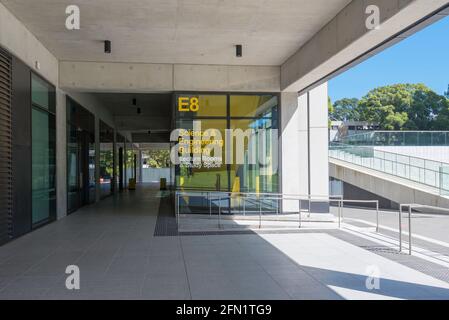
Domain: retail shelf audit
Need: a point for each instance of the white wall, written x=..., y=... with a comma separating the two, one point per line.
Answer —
x=155, y=174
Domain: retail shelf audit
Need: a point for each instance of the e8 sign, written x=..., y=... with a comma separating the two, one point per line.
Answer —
x=188, y=104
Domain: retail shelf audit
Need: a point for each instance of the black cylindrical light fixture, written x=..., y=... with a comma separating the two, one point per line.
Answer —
x=139, y=111
x=134, y=102
x=107, y=46
x=238, y=50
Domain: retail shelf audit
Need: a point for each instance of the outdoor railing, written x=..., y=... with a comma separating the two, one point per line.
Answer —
x=431, y=173
x=412, y=207
x=398, y=138
x=305, y=203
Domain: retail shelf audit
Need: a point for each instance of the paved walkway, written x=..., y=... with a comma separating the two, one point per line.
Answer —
x=119, y=257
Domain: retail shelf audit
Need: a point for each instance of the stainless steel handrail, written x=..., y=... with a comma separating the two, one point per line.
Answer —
x=341, y=207
x=410, y=207
x=300, y=198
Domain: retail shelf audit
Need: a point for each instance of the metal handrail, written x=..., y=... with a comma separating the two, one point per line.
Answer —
x=410, y=207
x=339, y=145
x=436, y=174
x=343, y=201
x=300, y=198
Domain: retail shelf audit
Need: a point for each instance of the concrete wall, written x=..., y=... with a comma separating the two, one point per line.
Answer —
x=146, y=77
x=16, y=38
x=393, y=188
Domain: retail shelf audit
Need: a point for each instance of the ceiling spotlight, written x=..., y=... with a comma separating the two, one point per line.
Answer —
x=139, y=111
x=134, y=102
x=107, y=46
x=238, y=50
x=149, y=132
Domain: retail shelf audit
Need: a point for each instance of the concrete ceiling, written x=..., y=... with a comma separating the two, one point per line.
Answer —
x=120, y=104
x=155, y=114
x=178, y=31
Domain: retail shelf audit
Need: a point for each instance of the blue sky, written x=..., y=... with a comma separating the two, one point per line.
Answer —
x=422, y=58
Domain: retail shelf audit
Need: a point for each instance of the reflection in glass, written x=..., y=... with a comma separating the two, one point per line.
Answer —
x=201, y=177
x=43, y=165
x=106, y=160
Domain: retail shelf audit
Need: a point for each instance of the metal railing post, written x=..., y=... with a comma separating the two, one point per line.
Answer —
x=219, y=212
x=244, y=205
x=339, y=213
x=400, y=228
x=300, y=211
x=410, y=230
x=377, y=216
x=210, y=204
x=260, y=212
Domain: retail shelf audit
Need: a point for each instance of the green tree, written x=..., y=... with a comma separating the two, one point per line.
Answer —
x=158, y=158
x=403, y=106
x=330, y=109
x=345, y=110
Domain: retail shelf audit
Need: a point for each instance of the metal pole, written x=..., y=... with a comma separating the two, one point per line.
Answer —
x=339, y=213
x=210, y=204
x=219, y=212
x=377, y=216
x=310, y=205
x=176, y=207
x=400, y=228
x=244, y=205
x=410, y=230
x=260, y=213
x=300, y=211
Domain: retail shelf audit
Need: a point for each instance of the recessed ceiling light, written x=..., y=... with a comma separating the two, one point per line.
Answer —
x=238, y=50
x=107, y=46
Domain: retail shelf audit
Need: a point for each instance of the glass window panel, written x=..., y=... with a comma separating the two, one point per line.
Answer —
x=252, y=105
x=254, y=165
x=72, y=168
x=204, y=177
x=42, y=93
x=106, y=159
x=43, y=165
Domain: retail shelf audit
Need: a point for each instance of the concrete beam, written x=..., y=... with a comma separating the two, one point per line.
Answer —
x=346, y=38
x=143, y=77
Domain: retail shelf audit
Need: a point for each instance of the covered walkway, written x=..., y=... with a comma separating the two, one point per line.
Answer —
x=114, y=245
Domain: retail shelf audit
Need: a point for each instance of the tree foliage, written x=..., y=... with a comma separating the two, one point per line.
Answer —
x=345, y=109
x=157, y=158
x=397, y=107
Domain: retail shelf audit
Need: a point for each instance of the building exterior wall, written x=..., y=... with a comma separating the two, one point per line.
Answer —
x=28, y=52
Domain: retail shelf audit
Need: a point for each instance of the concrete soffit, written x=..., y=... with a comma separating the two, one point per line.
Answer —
x=339, y=45
x=346, y=41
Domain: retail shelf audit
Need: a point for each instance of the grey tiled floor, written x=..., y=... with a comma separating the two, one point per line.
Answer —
x=119, y=257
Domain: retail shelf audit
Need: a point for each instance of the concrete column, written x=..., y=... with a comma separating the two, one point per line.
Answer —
x=61, y=155
x=318, y=147
x=139, y=164
x=304, y=147
x=97, y=159
x=290, y=149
